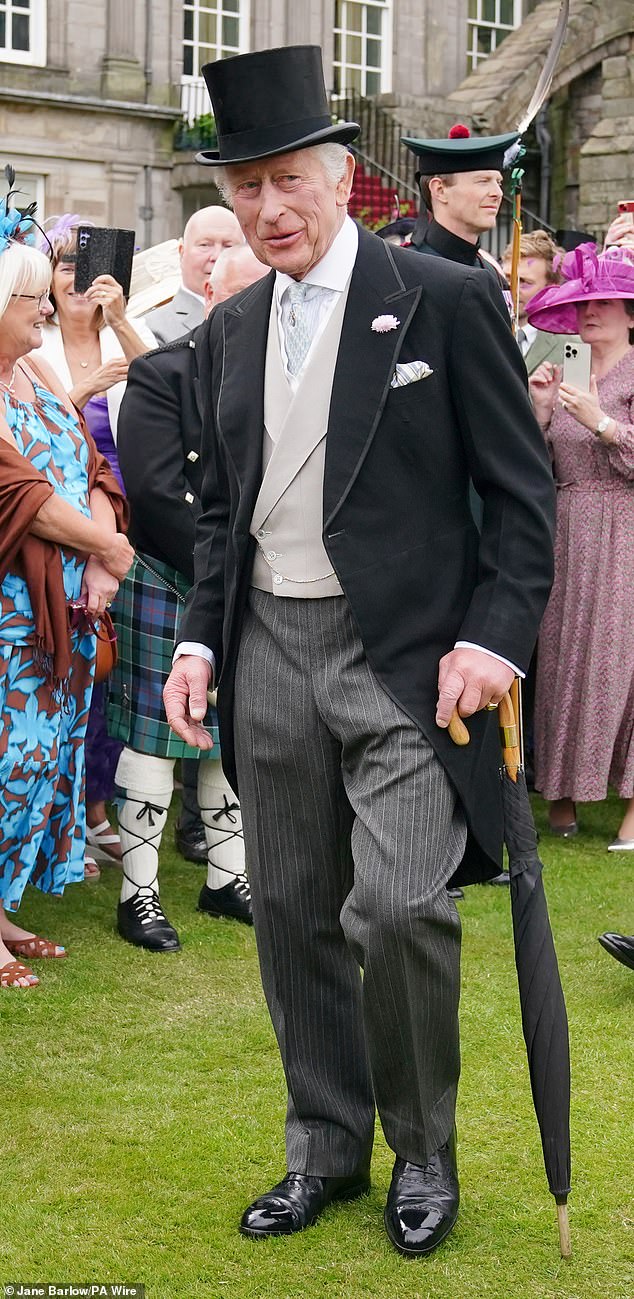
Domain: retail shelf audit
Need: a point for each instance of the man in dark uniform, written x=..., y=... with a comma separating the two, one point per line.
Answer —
x=460, y=182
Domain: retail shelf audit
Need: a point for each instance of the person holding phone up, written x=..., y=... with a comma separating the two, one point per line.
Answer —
x=584, y=705
x=89, y=343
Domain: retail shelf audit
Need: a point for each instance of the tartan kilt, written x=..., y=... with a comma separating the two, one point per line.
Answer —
x=146, y=617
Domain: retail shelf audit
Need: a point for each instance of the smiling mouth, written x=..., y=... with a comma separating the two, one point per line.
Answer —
x=280, y=239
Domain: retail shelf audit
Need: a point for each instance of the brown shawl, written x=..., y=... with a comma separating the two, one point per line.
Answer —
x=23, y=491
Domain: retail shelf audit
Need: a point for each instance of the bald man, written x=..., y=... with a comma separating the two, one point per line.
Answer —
x=159, y=453
x=207, y=233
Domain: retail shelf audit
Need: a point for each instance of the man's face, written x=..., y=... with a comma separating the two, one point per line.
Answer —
x=236, y=275
x=469, y=205
x=288, y=208
x=533, y=277
x=207, y=233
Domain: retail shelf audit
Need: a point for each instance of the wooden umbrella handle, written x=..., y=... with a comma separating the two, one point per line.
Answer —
x=509, y=737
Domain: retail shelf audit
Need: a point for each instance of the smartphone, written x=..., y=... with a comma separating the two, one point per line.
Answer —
x=102, y=250
x=577, y=364
x=626, y=208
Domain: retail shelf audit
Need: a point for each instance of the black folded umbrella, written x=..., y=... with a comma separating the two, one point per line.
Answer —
x=544, y=1018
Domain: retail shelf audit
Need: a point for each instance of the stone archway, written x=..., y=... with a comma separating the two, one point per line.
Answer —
x=591, y=109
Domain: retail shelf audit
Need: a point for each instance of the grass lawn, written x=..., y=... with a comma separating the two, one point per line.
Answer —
x=144, y=1107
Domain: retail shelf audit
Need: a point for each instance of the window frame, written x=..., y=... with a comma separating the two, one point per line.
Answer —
x=194, y=98
x=386, y=8
x=495, y=26
x=35, y=56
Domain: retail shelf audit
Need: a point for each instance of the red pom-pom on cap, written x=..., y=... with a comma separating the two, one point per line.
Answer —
x=459, y=132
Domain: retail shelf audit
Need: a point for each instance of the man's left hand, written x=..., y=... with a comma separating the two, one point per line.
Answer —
x=469, y=680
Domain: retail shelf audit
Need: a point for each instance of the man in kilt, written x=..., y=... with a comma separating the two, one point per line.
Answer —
x=159, y=453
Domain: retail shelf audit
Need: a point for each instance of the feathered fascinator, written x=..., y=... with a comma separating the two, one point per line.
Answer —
x=586, y=274
x=58, y=229
x=16, y=226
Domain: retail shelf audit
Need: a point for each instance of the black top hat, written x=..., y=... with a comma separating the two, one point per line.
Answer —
x=461, y=151
x=269, y=102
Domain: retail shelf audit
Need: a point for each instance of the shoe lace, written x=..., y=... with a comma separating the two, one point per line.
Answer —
x=147, y=906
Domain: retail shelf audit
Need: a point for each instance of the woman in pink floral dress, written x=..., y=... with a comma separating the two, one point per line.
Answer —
x=584, y=706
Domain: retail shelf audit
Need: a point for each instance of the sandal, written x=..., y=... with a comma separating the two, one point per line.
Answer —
x=35, y=947
x=13, y=971
x=91, y=869
x=102, y=839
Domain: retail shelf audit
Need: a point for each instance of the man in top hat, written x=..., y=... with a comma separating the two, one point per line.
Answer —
x=345, y=604
x=460, y=182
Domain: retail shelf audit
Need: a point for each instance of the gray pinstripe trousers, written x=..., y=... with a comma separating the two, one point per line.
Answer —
x=352, y=830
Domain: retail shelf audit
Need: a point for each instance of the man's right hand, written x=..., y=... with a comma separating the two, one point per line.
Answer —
x=185, y=700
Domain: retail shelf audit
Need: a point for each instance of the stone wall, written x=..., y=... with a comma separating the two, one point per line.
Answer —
x=591, y=112
x=97, y=122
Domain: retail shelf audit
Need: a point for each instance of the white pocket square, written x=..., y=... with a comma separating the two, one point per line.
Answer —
x=411, y=372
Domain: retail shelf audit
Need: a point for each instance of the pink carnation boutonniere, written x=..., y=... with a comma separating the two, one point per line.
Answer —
x=383, y=324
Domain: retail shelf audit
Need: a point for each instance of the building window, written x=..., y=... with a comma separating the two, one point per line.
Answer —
x=212, y=29
x=30, y=188
x=488, y=23
x=363, y=47
x=23, y=31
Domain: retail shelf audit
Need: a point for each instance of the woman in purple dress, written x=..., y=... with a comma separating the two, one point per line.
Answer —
x=584, y=705
x=89, y=344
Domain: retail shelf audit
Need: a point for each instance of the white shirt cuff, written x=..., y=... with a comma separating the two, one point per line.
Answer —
x=468, y=644
x=201, y=652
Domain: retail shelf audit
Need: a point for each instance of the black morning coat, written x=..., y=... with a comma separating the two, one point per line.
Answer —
x=397, y=524
x=158, y=443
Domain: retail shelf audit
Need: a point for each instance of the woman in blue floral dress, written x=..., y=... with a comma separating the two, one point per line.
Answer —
x=61, y=512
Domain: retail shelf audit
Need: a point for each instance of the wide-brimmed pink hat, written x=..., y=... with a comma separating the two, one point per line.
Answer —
x=587, y=274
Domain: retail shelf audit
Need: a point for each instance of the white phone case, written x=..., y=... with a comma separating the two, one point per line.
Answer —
x=577, y=363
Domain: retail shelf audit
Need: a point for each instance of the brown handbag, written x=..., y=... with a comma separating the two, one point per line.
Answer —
x=107, y=652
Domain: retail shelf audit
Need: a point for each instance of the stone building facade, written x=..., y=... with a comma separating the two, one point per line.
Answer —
x=91, y=92
x=87, y=109
x=589, y=120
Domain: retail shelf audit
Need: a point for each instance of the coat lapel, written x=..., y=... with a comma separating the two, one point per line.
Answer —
x=240, y=405
x=365, y=364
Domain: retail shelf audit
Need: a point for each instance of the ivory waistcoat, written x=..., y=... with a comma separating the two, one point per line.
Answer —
x=287, y=520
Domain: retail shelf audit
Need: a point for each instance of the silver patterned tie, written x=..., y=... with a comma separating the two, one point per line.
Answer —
x=297, y=334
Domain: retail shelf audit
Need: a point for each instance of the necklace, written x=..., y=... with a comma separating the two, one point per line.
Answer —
x=9, y=385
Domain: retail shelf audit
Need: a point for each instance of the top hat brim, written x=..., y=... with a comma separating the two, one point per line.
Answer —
x=341, y=133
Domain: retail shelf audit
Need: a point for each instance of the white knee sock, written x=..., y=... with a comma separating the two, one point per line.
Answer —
x=220, y=812
x=148, y=783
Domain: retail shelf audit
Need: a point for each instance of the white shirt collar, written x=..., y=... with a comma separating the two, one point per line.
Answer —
x=334, y=269
x=191, y=293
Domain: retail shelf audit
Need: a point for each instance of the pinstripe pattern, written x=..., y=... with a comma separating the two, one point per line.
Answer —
x=351, y=831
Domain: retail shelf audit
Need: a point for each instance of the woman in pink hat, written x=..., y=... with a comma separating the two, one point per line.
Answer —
x=584, y=707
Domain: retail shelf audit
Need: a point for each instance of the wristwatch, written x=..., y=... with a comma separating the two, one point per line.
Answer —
x=602, y=425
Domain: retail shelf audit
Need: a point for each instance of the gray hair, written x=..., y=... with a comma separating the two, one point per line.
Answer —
x=331, y=157
x=23, y=269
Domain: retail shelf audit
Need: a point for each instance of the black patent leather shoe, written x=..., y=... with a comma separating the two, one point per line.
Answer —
x=422, y=1203
x=234, y=900
x=296, y=1202
x=142, y=921
x=620, y=947
x=502, y=879
x=192, y=844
